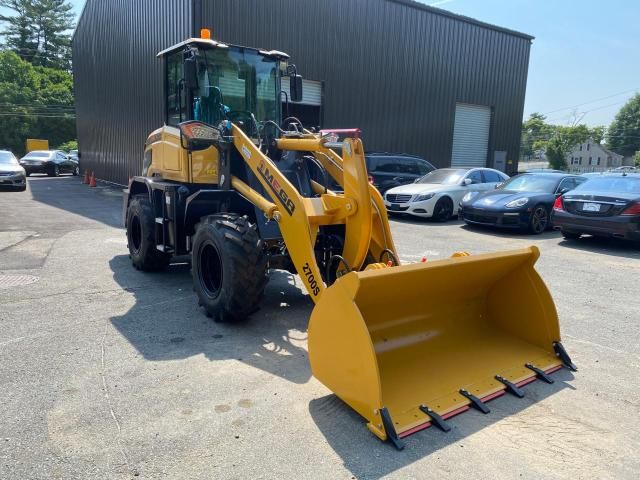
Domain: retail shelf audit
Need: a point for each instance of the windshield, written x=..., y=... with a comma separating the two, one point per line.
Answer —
x=40, y=155
x=444, y=176
x=531, y=183
x=611, y=185
x=236, y=80
x=6, y=158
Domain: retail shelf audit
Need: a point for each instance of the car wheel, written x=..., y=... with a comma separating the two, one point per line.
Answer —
x=55, y=172
x=443, y=210
x=571, y=235
x=539, y=220
x=76, y=171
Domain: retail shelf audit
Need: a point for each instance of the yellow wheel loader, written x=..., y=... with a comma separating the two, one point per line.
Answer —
x=242, y=191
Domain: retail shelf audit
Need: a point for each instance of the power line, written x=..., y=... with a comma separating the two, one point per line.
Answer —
x=592, y=101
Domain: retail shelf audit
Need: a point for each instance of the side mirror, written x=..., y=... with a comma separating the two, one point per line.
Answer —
x=295, y=87
x=467, y=182
x=191, y=73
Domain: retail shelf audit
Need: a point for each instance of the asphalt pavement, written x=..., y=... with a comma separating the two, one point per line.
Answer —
x=107, y=372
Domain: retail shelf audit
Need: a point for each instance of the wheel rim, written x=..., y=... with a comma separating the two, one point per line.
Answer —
x=210, y=270
x=135, y=234
x=77, y=171
x=539, y=220
x=444, y=211
x=56, y=171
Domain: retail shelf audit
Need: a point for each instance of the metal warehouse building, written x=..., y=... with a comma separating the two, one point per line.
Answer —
x=416, y=79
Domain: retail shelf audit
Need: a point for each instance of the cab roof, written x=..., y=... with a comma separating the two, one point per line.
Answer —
x=207, y=43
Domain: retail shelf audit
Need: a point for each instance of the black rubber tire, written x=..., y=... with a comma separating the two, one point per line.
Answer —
x=539, y=220
x=443, y=210
x=229, y=267
x=570, y=235
x=141, y=236
x=76, y=171
x=55, y=171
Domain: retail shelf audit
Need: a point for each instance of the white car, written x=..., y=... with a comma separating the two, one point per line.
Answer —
x=439, y=193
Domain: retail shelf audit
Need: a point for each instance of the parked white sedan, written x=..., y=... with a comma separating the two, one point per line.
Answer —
x=439, y=193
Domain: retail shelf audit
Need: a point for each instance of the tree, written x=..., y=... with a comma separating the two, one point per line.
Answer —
x=624, y=133
x=35, y=102
x=563, y=141
x=535, y=134
x=38, y=31
x=637, y=158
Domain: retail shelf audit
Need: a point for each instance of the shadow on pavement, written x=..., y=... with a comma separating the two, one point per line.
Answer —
x=101, y=204
x=166, y=323
x=367, y=457
x=410, y=220
x=606, y=246
x=508, y=233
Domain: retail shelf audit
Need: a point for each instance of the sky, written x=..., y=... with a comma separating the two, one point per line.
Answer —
x=585, y=59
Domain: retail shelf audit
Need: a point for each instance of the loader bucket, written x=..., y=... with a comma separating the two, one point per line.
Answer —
x=392, y=340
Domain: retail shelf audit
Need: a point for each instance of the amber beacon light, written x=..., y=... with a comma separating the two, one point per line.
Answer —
x=205, y=34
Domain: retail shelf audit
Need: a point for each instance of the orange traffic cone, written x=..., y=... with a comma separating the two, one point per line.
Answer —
x=86, y=177
x=92, y=182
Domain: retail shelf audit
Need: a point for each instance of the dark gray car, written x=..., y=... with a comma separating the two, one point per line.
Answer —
x=50, y=162
x=12, y=175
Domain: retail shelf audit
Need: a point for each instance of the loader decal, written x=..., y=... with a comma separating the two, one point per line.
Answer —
x=287, y=203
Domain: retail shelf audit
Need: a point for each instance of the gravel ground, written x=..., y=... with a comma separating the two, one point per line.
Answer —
x=110, y=373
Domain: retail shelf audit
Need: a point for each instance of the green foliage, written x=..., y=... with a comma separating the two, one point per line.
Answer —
x=39, y=31
x=624, y=133
x=563, y=141
x=35, y=102
x=68, y=146
x=637, y=158
x=555, y=140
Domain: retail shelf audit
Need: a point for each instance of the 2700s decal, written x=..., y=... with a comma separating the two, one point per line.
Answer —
x=311, y=279
x=287, y=203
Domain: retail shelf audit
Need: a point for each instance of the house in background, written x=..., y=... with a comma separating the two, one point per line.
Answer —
x=591, y=156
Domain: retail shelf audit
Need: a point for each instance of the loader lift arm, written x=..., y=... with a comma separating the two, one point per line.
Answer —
x=299, y=217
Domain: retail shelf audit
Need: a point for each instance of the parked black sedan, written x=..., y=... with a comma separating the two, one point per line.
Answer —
x=51, y=162
x=12, y=175
x=608, y=206
x=524, y=202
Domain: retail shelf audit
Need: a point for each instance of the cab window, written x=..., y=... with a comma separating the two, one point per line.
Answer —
x=176, y=96
x=491, y=177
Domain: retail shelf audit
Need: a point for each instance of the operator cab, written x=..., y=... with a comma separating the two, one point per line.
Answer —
x=211, y=82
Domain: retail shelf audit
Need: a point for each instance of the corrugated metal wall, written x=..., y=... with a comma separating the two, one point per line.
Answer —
x=118, y=79
x=392, y=67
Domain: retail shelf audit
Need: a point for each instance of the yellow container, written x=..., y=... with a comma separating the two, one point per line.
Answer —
x=403, y=337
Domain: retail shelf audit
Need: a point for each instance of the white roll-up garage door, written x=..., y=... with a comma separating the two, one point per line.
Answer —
x=471, y=135
x=311, y=91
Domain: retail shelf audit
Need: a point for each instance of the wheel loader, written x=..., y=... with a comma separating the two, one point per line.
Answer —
x=242, y=190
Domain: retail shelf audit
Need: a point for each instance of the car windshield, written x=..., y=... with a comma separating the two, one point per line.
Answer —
x=531, y=183
x=444, y=176
x=38, y=155
x=7, y=159
x=611, y=185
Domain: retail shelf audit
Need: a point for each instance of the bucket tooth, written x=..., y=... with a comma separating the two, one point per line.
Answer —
x=436, y=419
x=390, y=430
x=512, y=388
x=475, y=401
x=562, y=354
x=540, y=373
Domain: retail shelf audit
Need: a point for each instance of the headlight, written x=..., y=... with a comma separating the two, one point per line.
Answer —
x=518, y=202
x=469, y=196
x=426, y=196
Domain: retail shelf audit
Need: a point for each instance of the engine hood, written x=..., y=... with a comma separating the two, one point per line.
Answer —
x=11, y=168
x=419, y=188
x=500, y=198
